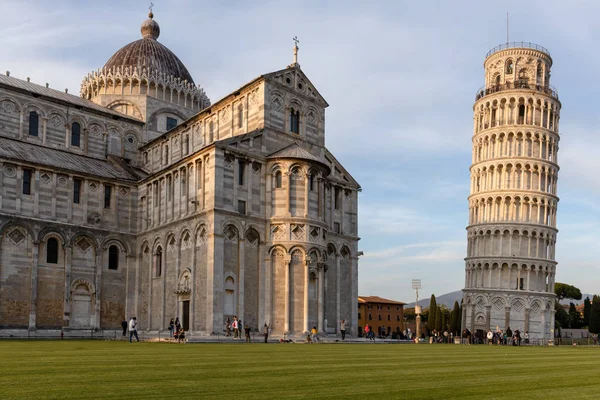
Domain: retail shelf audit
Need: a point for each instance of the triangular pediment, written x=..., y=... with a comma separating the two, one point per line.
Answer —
x=293, y=78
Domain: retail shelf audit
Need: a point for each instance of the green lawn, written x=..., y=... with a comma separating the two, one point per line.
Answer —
x=119, y=370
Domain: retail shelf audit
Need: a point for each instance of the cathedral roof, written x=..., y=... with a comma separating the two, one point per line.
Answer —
x=11, y=149
x=295, y=151
x=147, y=53
x=57, y=95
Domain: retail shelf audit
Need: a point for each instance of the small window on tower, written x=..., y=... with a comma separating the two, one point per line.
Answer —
x=171, y=123
x=509, y=67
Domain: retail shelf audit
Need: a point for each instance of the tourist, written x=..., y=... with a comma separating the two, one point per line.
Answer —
x=228, y=326
x=171, y=327
x=266, y=332
x=490, y=337
x=180, y=335
x=133, y=330
x=247, y=333
x=234, y=325
x=343, y=329
x=124, y=326
x=313, y=334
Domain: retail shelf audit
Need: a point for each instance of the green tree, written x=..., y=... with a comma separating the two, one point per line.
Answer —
x=438, y=319
x=587, y=307
x=432, y=311
x=455, y=319
x=562, y=318
x=574, y=316
x=564, y=291
x=444, y=320
x=594, y=324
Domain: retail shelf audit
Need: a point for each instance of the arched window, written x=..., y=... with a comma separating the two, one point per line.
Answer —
x=75, y=134
x=294, y=121
x=278, y=180
x=52, y=251
x=33, y=123
x=187, y=144
x=240, y=116
x=158, y=263
x=113, y=257
x=509, y=67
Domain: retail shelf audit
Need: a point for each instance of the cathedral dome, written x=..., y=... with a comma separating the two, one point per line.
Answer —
x=148, y=53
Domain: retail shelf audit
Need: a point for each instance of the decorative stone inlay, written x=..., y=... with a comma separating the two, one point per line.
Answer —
x=84, y=244
x=95, y=129
x=16, y=236
x=298, y=231
x=277, y=231
x=45, y=178
x=252, y=237
x=517, y=305
x=314, y=233
x=10, y=171
x=230, y=234
x=8, y=106
x=498, y=303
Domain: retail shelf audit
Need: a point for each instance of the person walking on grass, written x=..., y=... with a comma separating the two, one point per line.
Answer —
x=266, y=332
x=133, y=330
x=343, y=329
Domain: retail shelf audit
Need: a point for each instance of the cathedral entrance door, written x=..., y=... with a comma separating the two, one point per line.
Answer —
x=185, y=315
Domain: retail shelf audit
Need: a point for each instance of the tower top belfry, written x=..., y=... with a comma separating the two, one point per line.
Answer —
x=510, y=264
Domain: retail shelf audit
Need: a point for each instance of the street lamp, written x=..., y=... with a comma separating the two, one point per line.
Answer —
x=416, y=284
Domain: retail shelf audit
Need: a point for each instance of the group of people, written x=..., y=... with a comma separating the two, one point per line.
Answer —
x=507, y=337
x=176, y=330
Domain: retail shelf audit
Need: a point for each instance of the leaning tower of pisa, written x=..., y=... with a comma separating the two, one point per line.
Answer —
x=510, y=266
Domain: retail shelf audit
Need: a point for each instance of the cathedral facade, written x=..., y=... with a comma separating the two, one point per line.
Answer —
x=142, y=198
x=510, y=263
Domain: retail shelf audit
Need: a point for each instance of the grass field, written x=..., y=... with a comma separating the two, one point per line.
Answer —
x=119, y=370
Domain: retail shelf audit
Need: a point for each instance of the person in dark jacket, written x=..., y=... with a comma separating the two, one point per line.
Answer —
x=124, y=326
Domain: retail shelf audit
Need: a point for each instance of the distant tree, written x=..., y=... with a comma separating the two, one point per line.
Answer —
x=594, y=324
x=438, y=319
x=432, y=311
x=587, y=307
x=564, y=291
x=562, y=319
x=575, y=317
x=444, y=320
x=455, y=319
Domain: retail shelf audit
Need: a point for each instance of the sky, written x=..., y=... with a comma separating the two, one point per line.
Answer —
x=400, y=78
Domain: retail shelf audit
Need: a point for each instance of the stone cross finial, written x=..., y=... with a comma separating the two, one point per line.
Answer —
x=296, y=48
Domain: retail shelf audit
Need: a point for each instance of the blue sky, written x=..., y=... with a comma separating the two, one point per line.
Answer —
x=400, y=78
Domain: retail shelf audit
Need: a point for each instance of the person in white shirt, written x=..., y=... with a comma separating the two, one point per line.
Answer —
x=133, y=329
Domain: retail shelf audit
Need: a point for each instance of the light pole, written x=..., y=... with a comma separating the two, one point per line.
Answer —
x=416, y=284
